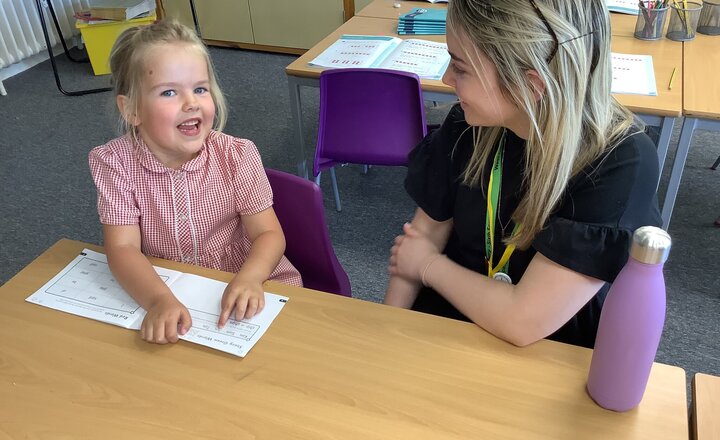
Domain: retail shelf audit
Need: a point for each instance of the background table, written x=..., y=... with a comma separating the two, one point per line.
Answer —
x=380, y=18
x=706, y=407
x=328, y=367
x=701, y=106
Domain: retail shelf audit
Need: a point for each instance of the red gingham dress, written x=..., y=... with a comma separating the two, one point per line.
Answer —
x=191, y=215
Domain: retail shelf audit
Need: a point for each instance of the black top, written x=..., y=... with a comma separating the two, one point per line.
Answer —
x=590, y=232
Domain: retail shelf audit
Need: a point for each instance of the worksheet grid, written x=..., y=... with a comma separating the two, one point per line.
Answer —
x=90, y=281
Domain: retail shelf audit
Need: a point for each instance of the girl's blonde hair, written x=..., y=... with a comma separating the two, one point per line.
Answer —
x=128, y=57
x=576, y=119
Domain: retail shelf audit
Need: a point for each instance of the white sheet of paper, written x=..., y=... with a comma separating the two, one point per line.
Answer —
x=633, y=74
x=427, y=59
x=354, y=51
x=623, y=6
x=86, y=287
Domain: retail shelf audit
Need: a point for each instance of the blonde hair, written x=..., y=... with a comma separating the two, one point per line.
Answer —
x=127, y=60
x=576, y=119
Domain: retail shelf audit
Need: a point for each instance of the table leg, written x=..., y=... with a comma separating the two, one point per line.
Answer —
x=688, y=127
x=296, y=111
x=663, y=144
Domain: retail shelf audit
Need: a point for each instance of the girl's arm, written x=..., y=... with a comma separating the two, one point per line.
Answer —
x=546, y=297
x=401, y=291
x=245, y=292
x=165, y=314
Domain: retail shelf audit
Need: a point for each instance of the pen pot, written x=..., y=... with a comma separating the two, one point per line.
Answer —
x=650, y=21
x=684, y=18
x=709, y=21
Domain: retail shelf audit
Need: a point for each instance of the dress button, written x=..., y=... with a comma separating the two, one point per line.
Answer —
x=182, y=217
x=187, y=260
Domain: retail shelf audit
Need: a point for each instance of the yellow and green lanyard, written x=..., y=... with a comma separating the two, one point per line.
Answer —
x=494, y=185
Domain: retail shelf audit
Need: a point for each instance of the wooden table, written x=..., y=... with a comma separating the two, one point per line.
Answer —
x=328, y=367
x=706, y=407
x=386, y=9
x=701, y=106
x=659, y=111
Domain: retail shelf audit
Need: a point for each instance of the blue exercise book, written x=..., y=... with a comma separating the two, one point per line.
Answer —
x=421, y=32
x=435, y=31
x=414, y=24
x=422, y=14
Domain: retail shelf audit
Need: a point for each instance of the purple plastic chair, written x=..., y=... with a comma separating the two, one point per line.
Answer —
x=298, y=204
x=367, y=116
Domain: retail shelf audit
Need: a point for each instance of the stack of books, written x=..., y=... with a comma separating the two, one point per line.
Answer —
x=421, y=21
x=118, y=10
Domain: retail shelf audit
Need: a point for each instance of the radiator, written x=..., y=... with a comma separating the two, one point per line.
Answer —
x=21, y=35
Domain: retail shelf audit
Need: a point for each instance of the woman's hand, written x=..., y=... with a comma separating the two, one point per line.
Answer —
x=166, y=319
x=247, y=297
x=411, y=254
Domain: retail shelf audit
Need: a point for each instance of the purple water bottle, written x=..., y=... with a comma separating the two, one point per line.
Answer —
x=631, y=323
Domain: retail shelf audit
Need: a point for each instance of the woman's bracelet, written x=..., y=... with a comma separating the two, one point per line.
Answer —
x=427, y=266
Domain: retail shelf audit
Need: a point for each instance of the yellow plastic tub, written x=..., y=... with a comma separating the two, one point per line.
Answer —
x=99, y=39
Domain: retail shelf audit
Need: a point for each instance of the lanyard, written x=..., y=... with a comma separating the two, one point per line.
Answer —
x=492, y=205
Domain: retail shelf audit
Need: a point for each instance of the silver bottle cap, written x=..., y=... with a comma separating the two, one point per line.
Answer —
x=650, y=245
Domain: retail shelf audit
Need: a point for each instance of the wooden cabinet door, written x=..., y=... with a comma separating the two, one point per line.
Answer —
x=179, y=10
x=222, y=20
x=294, y=23
x=225, y=20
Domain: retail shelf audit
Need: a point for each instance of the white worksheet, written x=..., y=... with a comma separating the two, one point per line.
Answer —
x=623, y=6
x=86, y=287
x=633, y=74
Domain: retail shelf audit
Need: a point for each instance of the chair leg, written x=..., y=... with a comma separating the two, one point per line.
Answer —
x=335, y=189
x=715, y=165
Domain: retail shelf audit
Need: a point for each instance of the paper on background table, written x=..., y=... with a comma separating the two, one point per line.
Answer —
x=86, y=287
x=427, y=59
x=623, y=6
x=633, y=74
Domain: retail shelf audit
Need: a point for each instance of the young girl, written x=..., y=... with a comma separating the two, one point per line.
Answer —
x=175, y=188
x=529, y=193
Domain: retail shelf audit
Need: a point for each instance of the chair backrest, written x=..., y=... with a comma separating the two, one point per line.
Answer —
x=298, y=204
x=368, y=116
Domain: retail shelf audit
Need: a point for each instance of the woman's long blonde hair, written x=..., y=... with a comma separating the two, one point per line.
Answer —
x=127, y=61
x=576, y=119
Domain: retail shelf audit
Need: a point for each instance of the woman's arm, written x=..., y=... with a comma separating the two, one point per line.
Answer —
x=546, y=297
x=245, y=293
x=401, y=291
x=136, y=275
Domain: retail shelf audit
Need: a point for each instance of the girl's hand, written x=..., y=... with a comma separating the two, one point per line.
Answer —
x=246, y=297
x=166, y=319
x=411, y=253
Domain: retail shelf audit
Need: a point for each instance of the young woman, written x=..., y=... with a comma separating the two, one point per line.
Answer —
x=530, y=191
